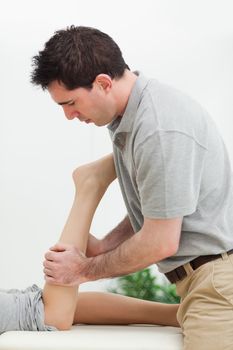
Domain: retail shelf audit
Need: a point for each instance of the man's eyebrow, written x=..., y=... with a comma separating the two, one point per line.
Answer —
x=65, y=102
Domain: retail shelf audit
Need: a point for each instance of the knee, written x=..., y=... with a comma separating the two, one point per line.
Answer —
x=63, y=325
x=60, y=319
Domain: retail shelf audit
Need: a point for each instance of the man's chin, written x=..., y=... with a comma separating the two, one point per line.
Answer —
x=99, y=123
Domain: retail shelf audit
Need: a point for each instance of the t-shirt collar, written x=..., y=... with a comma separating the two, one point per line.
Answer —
x=124, y=124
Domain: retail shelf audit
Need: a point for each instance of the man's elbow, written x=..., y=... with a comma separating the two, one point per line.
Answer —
x=163, y=236
x=168, y=250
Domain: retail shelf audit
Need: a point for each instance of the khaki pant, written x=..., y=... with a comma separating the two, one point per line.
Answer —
x=206, y=310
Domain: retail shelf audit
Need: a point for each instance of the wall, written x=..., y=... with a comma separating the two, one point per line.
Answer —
x=188, y=44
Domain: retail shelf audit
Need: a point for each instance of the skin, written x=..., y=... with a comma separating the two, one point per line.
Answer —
x=100, y=105
x=107, y=308
x=157, y=239
x=63, y=305
x=60, y=301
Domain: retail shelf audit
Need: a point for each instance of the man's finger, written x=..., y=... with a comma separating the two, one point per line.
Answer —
x=47, y=272
x=53, y=281
x=50, y=256
x=48, y=264
x=59, y=247
x=50, y=280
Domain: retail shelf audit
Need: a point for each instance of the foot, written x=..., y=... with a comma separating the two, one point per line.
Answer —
x=99, y=173
x=87, y=176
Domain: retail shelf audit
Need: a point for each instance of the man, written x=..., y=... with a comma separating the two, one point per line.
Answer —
x=175, y=177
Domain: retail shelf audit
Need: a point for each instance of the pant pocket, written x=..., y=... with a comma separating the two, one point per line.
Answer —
x=222, y=279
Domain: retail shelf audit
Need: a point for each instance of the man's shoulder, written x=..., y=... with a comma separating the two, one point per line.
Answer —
x=165, y=108
x=160, y=94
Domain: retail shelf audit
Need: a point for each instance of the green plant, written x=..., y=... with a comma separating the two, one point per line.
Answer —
x=144, y=285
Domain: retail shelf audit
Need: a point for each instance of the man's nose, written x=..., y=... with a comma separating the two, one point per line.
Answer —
x=70, y=115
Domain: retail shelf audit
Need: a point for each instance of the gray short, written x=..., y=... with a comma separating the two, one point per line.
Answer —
x=22, y=310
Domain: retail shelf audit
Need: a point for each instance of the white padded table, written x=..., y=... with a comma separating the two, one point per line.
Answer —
x=89, y=337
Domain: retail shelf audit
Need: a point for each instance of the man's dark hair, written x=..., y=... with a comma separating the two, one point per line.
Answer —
x=75, y=56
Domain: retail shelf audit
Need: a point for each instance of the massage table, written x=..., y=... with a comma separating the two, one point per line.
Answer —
x=96, y=337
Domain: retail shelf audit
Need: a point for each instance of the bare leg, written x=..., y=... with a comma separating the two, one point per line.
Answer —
x=91, y=182
x=109, y=308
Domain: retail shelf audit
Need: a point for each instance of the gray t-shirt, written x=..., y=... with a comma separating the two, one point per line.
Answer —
x=172, y=162
x=22, y=310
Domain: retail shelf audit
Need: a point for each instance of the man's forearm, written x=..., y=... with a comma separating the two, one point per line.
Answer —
x=119, y=234
x=132, y=255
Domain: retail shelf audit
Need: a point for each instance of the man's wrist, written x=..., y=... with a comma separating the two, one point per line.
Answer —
x=88, y=274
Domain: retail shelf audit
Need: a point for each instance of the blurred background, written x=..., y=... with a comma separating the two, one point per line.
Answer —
x=185, y=43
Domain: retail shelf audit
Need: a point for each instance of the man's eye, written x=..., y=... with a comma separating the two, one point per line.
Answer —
x=71, y=104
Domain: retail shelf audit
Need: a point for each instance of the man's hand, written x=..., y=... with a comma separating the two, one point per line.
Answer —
x=65, y=265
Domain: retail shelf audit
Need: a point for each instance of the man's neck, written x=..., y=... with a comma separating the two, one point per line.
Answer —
x=123, y=90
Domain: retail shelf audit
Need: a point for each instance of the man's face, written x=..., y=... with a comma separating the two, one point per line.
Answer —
x=91, y=106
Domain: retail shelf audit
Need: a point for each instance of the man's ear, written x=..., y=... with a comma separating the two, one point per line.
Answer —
x=104, y=81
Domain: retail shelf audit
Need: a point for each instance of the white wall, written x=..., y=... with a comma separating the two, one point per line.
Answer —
x=186, y=43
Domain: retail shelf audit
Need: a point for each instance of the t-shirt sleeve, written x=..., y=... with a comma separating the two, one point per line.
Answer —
x=169, y=168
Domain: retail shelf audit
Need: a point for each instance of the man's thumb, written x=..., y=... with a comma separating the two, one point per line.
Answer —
x=58, y=247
